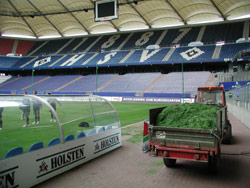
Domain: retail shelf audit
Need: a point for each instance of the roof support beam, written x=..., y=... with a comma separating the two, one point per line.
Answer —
x=142, y=17
x=184, y=21
x=216, y=7
x=73, y=16
x=45, y=17
x=23, y=19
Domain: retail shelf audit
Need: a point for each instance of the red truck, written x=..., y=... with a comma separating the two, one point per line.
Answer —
x=189, y=143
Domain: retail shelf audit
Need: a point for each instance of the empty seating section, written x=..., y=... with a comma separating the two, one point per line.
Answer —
x=222, y=32
x=24, y=46
x=4, y=79
x=51, y=47
x=54, y=82
x=72, y=60
x=35, y=48
x=147, y=56
x=180, y=36
x=8, y=62
x=85, y=44
x=109, y=42
x=70, y=47
x=6, y=46
x=21, y=62
x=133, y=82
x=142, y=40
x=197, y=54
x=109, y=58
x=88, y=83
x=20, y=83
x=231, y=50
x=172, y=82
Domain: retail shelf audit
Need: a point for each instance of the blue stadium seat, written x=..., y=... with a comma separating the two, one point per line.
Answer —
x=92, y=132
x=81, y=135
x=69, y=138
x=102, y=129
x=14, y=152
x=54, y=141
x=36, y=146
x=109, y=127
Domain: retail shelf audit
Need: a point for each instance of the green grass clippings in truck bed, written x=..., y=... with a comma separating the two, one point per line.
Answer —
x=194, y=115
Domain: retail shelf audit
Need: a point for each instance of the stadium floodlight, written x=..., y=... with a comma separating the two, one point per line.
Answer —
x=170, y=25
x=239, y=17
x=49, y=36
x=75, y=34
x=101, y=32
x=219, y=43
x=135, y=28
x=205, y=21
x=18, y=36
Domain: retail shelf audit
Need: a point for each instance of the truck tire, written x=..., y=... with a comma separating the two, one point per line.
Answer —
x=214, y=162
x=227, y=139
x=169, y=162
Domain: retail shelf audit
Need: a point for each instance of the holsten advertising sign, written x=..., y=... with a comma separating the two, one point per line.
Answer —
x=31, y=168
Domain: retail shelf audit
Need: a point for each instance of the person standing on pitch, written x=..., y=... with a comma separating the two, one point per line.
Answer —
x=52, y=102
x=1, y=121
x=37, y=105
x=26, y=110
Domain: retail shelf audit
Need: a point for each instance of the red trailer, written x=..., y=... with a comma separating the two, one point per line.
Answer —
x=188, y=143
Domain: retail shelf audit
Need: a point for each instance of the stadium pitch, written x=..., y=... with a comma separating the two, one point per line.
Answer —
x=71, y=114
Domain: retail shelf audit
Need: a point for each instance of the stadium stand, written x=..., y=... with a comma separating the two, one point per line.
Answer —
x=132, y=82
x=51, y=47
x=4, y=78
x=230, y=50
x=88, y=83
x=24, y=46
x=229, y=33
x=6, y=46
x=172, y=82
x=70, y=47
x=20, y=83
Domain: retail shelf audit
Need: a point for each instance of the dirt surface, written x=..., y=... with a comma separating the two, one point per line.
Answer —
x=129, y=167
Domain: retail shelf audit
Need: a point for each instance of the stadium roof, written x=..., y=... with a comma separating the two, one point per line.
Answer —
x=66, y=18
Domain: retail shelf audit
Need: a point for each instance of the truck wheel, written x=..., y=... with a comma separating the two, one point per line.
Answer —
x=214, y=162
x=169, y=162
x=228, y=136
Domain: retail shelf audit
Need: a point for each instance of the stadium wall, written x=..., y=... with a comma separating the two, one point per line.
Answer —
x=238, y=102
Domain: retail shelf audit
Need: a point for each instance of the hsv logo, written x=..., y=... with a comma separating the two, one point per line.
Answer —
x=42, y=61
x=192, y=53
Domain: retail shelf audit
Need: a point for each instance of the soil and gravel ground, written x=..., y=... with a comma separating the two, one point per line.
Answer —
x=129, y=167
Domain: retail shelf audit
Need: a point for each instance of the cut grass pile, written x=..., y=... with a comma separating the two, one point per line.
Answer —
x=194, y=115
